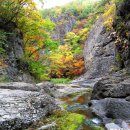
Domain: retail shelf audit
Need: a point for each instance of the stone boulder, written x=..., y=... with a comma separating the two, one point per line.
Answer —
x=112, y=94
x=112, y=108
x=19, y=86
x=110, y=126
x=20, y=107
x=122, y=90
x=113, y=86
x=117, y=126
x=48, y=87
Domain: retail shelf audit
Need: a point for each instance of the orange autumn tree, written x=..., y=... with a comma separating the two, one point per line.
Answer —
x=64, y=63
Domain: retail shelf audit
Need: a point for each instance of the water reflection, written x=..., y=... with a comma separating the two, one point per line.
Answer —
x=79, y=102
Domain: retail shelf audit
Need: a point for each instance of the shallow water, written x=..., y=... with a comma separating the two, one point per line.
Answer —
x=77, y=103
x=82, y=100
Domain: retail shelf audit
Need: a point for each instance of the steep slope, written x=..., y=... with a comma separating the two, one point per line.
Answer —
x=99, y=52
x=121, y=56
x=73, y=25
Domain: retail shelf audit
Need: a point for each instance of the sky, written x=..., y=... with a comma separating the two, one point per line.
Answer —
x=52, y=3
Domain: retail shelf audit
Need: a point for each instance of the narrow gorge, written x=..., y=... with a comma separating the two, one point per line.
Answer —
x=66, y=67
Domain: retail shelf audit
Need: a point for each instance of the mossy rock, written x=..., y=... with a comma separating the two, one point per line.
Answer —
x=64, y=120
x=67, y=121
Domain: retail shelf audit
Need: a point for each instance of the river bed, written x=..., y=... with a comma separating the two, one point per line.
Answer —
x=79, y=104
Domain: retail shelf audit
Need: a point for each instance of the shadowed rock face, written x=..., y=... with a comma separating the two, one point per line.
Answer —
x=20, y=107
x=123, y=18
x=99, y=51
x=14, y=51
x=111, y=98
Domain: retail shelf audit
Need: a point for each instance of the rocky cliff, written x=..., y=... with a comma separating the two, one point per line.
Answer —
x=21, y=103
x=104, y=49
x=13, y=51
x=99, y=51
x=64, y=24
x=107, y=51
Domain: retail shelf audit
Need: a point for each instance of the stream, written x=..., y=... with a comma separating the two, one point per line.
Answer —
x=76, y=103
x=79, y=104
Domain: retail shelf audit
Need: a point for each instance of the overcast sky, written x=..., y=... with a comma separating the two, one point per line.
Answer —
x=52, y=3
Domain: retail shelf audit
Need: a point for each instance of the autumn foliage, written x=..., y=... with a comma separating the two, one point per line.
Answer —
x=65, y=64
x=33, y=50
x=45, y=57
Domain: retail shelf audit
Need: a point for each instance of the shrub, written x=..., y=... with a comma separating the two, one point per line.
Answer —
x=3, y=78
x=117, y=2
x=83, y=33
x=109, y=15
x=86, y=11
x=64, y=63
x=38, y=70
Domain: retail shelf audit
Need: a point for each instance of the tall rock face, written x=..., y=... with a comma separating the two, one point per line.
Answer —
x=122, y=27
x=111, y=94
x=14, y=50
x=64, y=24
x=107, y=50
x=99, y=52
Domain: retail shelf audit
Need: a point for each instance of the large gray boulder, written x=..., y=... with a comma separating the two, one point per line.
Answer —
x=112, y=86
x=112, y=94
x=47, y=87
x=121, y=90
x=20, y=107
x=112, y=108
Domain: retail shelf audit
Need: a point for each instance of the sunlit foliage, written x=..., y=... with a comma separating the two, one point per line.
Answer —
x=64, y=63
x=109, y=15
